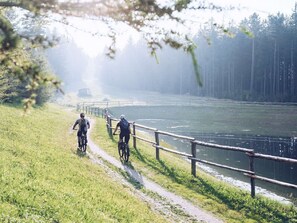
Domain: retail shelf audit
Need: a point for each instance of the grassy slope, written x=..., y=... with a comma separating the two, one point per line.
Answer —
x=42, y=179
x=173, y=173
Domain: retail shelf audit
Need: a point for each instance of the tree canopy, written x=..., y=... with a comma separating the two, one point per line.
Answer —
x=159, y=22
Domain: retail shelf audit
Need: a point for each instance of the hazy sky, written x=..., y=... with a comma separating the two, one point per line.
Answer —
x=265, y=6
x=261, y=7
x=94, y=46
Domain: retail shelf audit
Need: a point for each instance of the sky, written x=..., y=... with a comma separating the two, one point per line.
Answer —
x=93, y=45
x=261, y=7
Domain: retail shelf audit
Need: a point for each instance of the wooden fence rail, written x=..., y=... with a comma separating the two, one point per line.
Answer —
x=251, y=155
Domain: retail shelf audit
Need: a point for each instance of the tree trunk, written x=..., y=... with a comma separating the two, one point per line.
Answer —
x=264, y=87
x=252, y=67
x=292, y=70
x=274, y=70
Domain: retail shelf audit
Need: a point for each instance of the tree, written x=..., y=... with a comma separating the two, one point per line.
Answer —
x=145, y=16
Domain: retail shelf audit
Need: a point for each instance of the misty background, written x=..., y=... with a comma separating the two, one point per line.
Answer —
x=232, y=66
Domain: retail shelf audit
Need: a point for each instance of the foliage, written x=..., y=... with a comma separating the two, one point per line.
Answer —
x=43, y=179
x=260, y=68
x=8, y=88
x=230, y=68
x=25, y=77
x=145, y=16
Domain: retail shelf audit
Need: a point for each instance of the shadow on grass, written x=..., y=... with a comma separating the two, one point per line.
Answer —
x=251, y=207
x=80, y=153
x=157, y=165
x=138, y=155
x=132, y=176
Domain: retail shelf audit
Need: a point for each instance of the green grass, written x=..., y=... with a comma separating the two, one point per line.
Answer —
x=43, y=179
x=173, y=173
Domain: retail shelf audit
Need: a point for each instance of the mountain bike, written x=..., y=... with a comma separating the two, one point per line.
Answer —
x=83, y=142
x=124, y=151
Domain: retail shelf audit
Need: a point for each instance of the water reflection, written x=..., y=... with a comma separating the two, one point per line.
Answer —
x=276, y=146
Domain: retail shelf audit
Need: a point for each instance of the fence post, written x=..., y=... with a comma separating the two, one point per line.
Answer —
x=194, y=154
x=134, y=133
x=110, y=127
x=251, y=159
x=107, y=123
x=157, y=144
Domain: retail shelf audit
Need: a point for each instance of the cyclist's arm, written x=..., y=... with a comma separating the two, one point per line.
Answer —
x=75, y=124
x=116, y=128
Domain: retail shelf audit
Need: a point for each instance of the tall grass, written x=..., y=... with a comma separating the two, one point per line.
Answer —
x=43, y=179
x=172, y=172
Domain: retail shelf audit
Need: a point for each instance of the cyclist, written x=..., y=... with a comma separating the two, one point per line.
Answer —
x=84, y=125
x=124, y=126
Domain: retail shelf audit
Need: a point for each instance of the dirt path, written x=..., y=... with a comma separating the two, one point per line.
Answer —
x=176, y=208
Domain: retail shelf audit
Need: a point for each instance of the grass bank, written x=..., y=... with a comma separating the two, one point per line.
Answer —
x=173, y=173
x=43, y=179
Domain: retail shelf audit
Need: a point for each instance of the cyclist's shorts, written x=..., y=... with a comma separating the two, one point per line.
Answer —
x=79, y=133
x=127, y=137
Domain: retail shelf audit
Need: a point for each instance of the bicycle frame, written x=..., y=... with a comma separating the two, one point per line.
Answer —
x=124, y=151
x=82, y=142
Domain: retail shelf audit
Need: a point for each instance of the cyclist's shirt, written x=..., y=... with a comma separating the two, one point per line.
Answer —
x=83, y=124
x=124, y=130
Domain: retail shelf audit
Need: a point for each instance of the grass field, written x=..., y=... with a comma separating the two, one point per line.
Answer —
x=43, y=179
x=173, y=173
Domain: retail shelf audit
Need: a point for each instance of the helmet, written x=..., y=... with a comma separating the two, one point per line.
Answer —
x=122, y=117
x=82, y=115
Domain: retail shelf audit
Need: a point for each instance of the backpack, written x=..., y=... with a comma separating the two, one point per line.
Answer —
x=124, y=124
x=83, y=124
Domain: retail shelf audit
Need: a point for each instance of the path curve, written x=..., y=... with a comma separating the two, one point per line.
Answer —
x=194, y=211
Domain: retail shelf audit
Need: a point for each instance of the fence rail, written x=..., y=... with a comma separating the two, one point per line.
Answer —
x=251, y=155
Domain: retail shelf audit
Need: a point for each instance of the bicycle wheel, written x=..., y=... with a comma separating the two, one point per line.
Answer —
x=126, y=152
x=80, y=143
x=84, y=145
x=121, y=150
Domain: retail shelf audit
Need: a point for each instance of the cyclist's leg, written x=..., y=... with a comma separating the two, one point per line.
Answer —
x=85, y=132
x=127, y=138
x=120, y=145
x=121, y=138
x=78, y=137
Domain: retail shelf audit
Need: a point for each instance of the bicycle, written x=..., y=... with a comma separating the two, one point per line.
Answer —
x=124, y=151
x=83, y=142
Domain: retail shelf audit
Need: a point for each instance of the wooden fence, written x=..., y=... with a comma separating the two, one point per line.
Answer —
x=251, y=155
